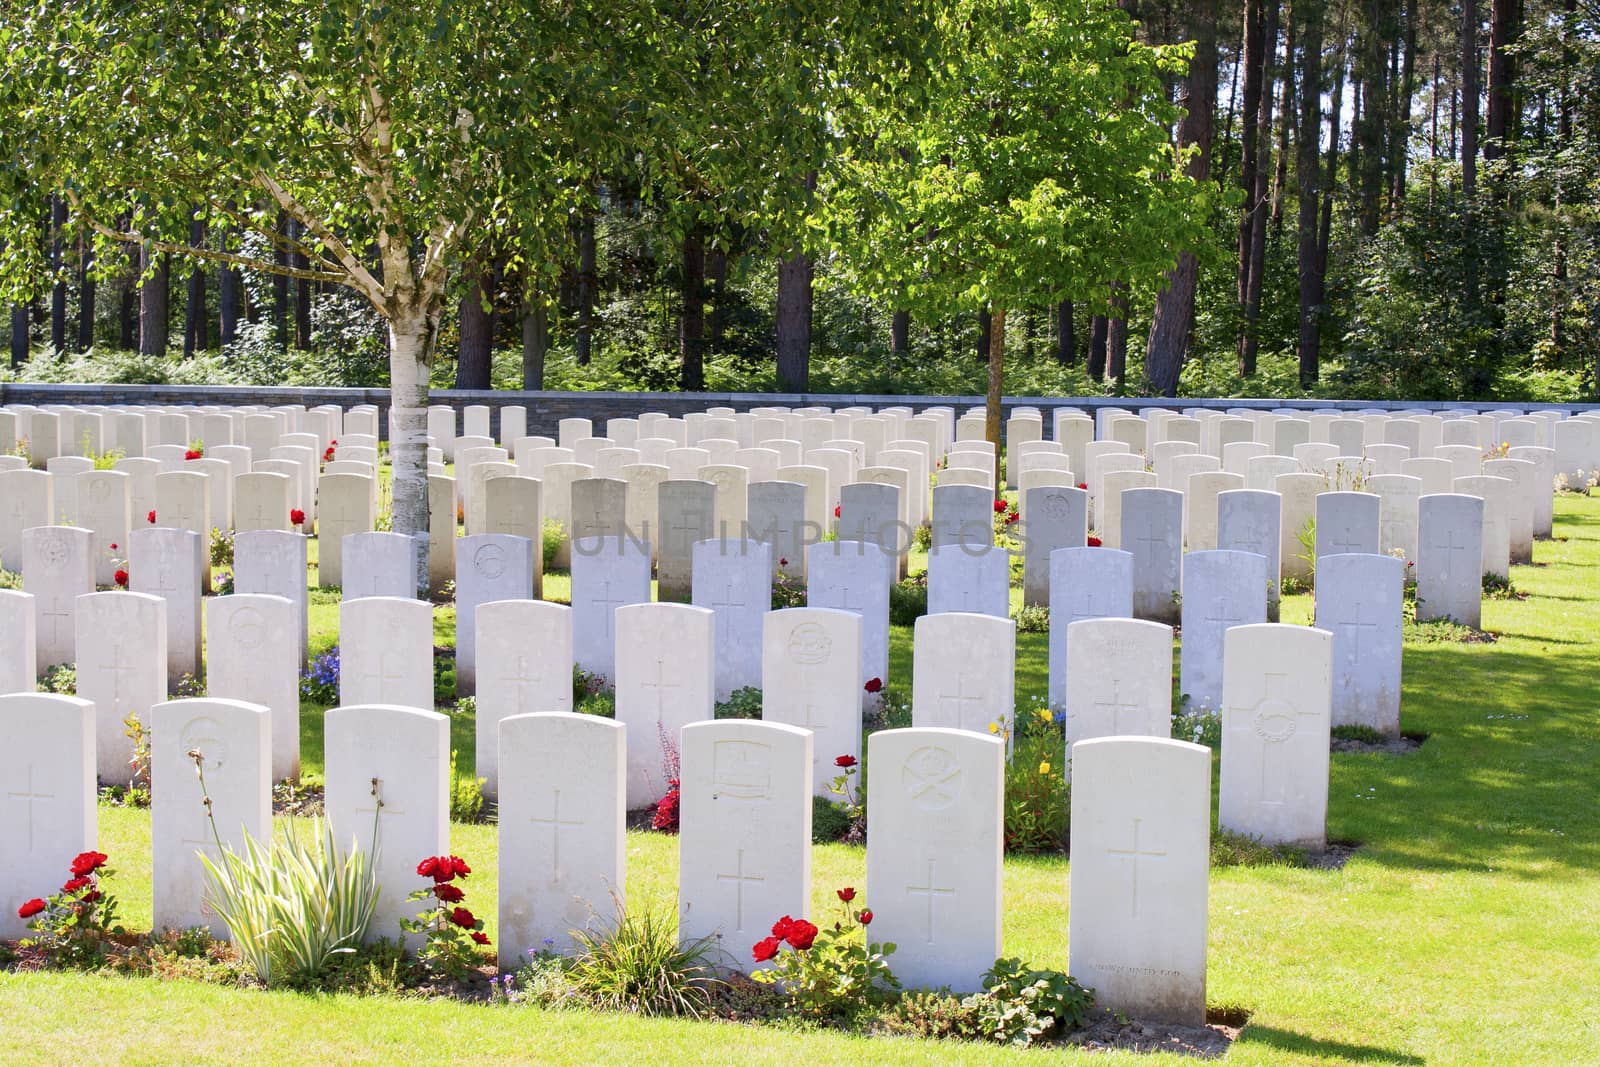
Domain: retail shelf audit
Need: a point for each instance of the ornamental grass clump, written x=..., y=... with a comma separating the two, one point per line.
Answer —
x=640, y=966
x=450, y=932
x=292, y=909
x=837, y=972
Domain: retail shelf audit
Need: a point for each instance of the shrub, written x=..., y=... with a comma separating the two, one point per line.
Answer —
x=320, y=683
x=74, y=925
x=1036, y=797
x=925, y=1013
x=908, y=600
x=742, y=703
x=787, y=590
x=828, y=973
x=639, y=965
x=222, y=548
x=450, y=932
x=1032, y=619
x=466, y=794
x=1199, y=727
x=830, y=821
x=550, y=541
x=61, y=678
x=1232, y=849
x=1019, y=1005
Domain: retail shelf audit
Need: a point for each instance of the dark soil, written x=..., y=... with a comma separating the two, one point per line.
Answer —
x=299, y=800
x=1334, y=857
x=1399, y=746
x=1105, y=1032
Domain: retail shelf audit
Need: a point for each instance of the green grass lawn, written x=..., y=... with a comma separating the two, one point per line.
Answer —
x=1466, y=930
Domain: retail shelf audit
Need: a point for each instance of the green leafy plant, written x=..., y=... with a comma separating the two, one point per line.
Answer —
x=221, y=548
x=292, y=909
x=1232, y=849
x=908, y=600
x=61, y=678
x=742, y=703
x=1019, y=1005
x=933, y=1014
x=788, y=591
x=1307, y=537
x=449, y=931
x=77, y=922
x=1036, y=798
x=1032, y=619
x=550, y=541
x=1498, y=587
x=466, y=794
x=837, y=972
x=639, y=965
x=830, y=821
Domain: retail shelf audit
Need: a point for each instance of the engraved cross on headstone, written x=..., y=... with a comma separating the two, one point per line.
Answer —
x=555, y=822
x=1357, y=625
x=1134, y=855
x=1222, y=613
x=28, y=796
x=961, y=698
x=1275, y=719
x=931, y=891
x=659, y=685
x=1117, y=705
x=739, y=879
x=608, y=605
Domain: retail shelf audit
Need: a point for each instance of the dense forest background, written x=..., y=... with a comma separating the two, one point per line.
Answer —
x=1404, y=201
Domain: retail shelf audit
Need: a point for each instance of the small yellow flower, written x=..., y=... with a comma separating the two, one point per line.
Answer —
x=994, y=728
x=1045, y=716
x=1044, y=768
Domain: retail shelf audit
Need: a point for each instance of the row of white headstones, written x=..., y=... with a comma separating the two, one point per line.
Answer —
x=1273, y=718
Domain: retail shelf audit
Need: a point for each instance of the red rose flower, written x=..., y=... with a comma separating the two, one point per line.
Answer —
x=113, y=546
x=75, y=884
x=192, y=454
x=120, y=577
x=874, y=685
x=297, y=517
x=1084, y=486
x=836, y=511
x=448, y=893
x=428, y=867
x=480, y=937
x=1094, y=542
x=31, y=908
x=999, y=506
x=91, y=896
x=458, y=865
x=865, y=918
x=801, y=934
x=463, y=918
x=1011, y=518
x=781, y=928
x=846, y=760
x=87, y=863
x=847, y=894
x=766, y=948
x=152, y=517
x=782, y=562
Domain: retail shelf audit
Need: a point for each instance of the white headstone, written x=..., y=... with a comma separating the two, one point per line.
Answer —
x=1347, y=522
x=733, y=578
x=745, y=840
x=687, y=511
x=607, y=573
x=963, y=673
x=386, y=652
x=524, y=666
x=488, y=567
x=811, y=678
x=47, y=800
x=251, y=653
x=1141, y=853
x=934, y=854
x=122, y=667
x=1275, y=726
x=561, y=840
x=234, y=742
x=665, y=680
x=1085, y=583
x=166, y=563
x=1119, y=679
x=1220, y=590
x=1449, y=558
x=56, y=569
x=1359, y=601
x=854, y=576
x=388, y=779
x=1152, y=533
x=274, y=562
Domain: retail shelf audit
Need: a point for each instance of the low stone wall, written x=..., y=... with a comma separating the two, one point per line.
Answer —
x=547, y=409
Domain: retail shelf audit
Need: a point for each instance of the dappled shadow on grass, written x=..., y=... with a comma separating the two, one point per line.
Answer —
x=1506, y=781
x=1335, y=1051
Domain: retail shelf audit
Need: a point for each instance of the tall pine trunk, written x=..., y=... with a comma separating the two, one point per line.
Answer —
x=86, y=293
x=535, y=332
x=475, y=354
x=195, y=335
x=992, y=414
x=1066, y=339
x=692, y=313
x=793, y=320
x=900, y=332
x=154, y=293
x=1173, y=321
x=588, y=283
x=58, y=292
x=1308, y=347
x=1098, y=331
x=1249, y=337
